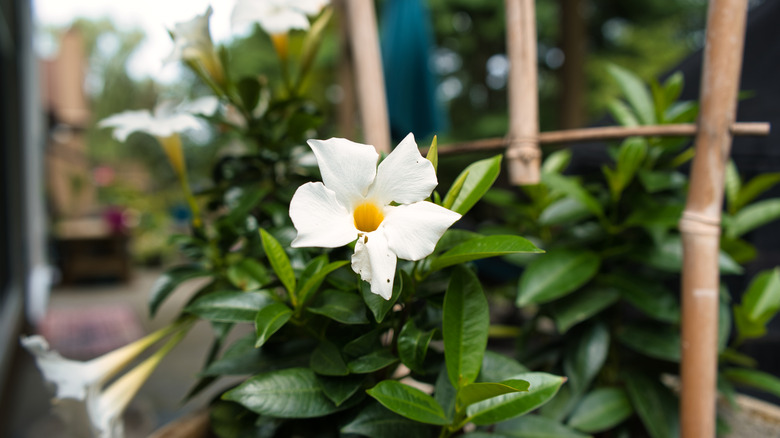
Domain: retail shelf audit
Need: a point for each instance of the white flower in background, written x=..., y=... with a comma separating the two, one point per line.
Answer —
x=84, y=381
x=276, y=16
x=383, y=207
x=166, y=119
x=192, y=42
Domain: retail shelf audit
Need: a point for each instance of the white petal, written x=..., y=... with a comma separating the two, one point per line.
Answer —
x=206, y=105
x=404, y=176
x=72, y=378
x=375, y=263
x=413, y=230
x=127, y=122
x=319, y=218
x=347, y=168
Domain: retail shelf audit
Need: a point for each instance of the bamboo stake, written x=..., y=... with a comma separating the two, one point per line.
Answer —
x=700, y=224
x=523, y=153
x=346, y=109
x=370, y=81
x=603, y=133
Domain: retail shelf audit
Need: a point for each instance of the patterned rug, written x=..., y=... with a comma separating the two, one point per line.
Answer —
x=87, y=332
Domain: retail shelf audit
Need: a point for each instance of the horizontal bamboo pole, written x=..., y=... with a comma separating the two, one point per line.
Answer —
x=604, y=133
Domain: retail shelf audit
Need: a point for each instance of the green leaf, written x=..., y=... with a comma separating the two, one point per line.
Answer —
x=542, y=388
x=248, y=274
x=754, y=188
x=288, y=393
x=170, y=280
x=497, y=367
x=622, y=113
x=241, y=200
x=656, y=406
x=673, y=87
x=480, y=177
x=761, y=302
x=249, y=91
x=652, y=299
x=413, y=345
x=433, y=154
x=230, y=306
x=310, y=285
x=601, y=409
x=376, y=421
x=667, y=255
x=658, y=341
x=557, y=161
x=575, y=308
x=657, y=181
x=454, y=190
x=279, y=262
x=754, y=378
x=484, y=247
x=344, y=307
x=563, y=211
x=632, y=153
x=477, y=392
x=339, y=389
x=747, y=328
x=754, y=216
x=378, y=305
x=571, y=188
x=635, y=92
x=326, y=360
x=733, y=186
x=535, y=426
x=465, y=324
x=586, y=355
x=409, y=402
x=452, y=238
x=556, y=274
x=269, y=320
x=374, y=361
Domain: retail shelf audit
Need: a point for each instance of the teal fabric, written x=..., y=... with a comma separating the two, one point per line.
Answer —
x=407, y=43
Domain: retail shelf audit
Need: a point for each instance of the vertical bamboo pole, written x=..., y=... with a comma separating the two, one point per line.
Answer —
x=700, y=224
x=346, y=109
x=370, y=81
x=574, y=42
x=523, y=152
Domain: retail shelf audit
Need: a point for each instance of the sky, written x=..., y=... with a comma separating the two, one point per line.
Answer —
x=152, y=16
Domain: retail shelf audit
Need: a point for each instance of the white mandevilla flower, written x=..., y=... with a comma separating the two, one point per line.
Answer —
x=192, y=42
x=383, y=207
x=166, y=120
x=276, y=16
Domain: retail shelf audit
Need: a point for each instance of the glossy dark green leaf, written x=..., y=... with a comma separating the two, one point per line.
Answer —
x=465, y=325
x=655, y=404
x=754, y=188
x=658, y=341
x=376, y=421
x=601, y=409
x=344, y=307
x=241, y=200
x=279, y=261
x=484, y=247
x=585, y=355
x=497, y=367
x=635, y=92
x=733, y=184
x=481, y=176
x=413, y=345
x=371, y=362
x=288, y=393
x=408, y=402
x=535, y=426
x=668, y=256
x=556, y=274
x=269, y=320
x=230, y=306
x=573, y=189
x=326, y=360
x=340, y=389
x=477, y=392
x=761, y=302
x=249, y=91
x=248, y=274
x=241, y=357
x=652, y=299
x=378, y=305
x=170, y=280
x=575, y=308
x=622, y=113
x=562, y=211
x=542, y=388
x=754, y=216
x=311, y=284
x=557, y=161
x=754, y=378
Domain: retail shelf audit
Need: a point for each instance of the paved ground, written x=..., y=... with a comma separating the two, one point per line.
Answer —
x=28, y=412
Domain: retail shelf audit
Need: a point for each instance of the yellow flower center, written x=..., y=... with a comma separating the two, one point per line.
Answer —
x=367, y=217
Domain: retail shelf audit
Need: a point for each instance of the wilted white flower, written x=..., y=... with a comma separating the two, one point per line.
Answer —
x=192, y=42
x=383, y=207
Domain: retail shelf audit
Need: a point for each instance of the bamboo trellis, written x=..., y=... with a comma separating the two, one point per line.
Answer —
x=700, y=224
